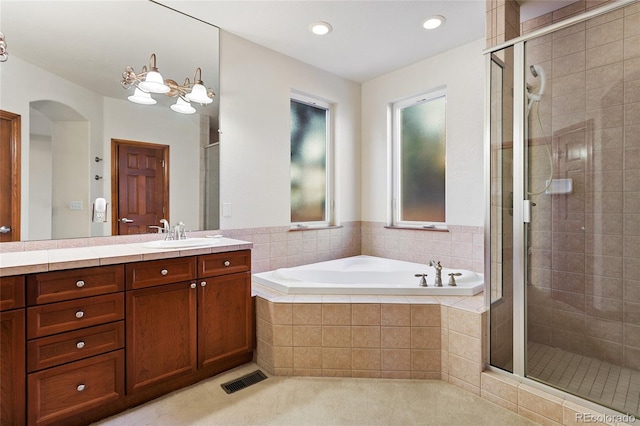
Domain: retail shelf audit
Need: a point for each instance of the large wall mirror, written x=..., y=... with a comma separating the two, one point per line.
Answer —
x=63, y=79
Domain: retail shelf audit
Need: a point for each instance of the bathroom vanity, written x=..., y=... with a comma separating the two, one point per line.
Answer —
x=81, y=344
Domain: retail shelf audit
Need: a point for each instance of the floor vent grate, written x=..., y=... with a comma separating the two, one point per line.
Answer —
x=243, y=382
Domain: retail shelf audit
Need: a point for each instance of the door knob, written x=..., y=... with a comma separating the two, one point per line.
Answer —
x=125, y=220
x=5, y=229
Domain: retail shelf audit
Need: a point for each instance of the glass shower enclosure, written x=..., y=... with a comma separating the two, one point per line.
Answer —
x=563, y=149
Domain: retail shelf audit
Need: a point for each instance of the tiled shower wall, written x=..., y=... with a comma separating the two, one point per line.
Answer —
x=584, y=285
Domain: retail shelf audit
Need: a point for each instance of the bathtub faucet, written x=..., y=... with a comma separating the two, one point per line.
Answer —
x=438, y=268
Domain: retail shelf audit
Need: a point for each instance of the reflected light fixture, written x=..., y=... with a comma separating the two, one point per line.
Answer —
x=433, y=22
x=147, y=82
x=3, y=49
x=320, y=28
x=183, y=107
x=142, y=97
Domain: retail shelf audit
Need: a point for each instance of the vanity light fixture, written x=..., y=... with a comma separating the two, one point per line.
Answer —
x=433, y=22
x=3, y=49
x=320, y=28
x=147, y=82
x=183, y=107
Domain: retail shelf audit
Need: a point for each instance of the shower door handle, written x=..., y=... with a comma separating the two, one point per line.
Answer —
x=526, y=211
x=5, y=229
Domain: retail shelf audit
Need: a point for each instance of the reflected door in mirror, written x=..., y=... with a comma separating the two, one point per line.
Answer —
x=141, y=171
x=9, y=177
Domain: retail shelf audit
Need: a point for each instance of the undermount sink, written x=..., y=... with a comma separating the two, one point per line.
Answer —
x=188, y=243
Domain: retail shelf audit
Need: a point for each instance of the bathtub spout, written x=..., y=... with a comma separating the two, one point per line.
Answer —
x=438, y=268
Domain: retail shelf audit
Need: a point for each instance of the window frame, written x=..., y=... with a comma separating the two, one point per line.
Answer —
x=395, y=166
x=329, y=167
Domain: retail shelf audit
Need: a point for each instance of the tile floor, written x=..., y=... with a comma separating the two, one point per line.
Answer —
x=322, y=401
x=604, y=383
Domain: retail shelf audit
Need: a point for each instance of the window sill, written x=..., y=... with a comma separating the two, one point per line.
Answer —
x=314, y=228
x=417, y=228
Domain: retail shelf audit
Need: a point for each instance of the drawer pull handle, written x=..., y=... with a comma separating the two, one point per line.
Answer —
x=203, y=283
x=164, y=272
x=227, y=263
x=79, y=314
x=80, y=388
x=79, y=283
x=80, y=344
x=193, y=285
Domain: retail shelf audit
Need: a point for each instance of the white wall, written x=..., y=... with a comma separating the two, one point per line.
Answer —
x=461, y=70
x=40, y=178
x=255, y=85
x=70, y=154
x=160, y=125
x=30, y=83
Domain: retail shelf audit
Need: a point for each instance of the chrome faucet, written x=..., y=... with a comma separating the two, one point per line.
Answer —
x=438, y=268
x=165, y=229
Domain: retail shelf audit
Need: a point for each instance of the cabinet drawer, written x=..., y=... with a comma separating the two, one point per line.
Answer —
x=158, y=272
x=74, y=345
x=231, y=262
x=74, y=314
x=67, y=285
x=62, y=392
x=11, y=292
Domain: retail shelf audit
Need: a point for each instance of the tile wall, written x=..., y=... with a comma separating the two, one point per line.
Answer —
x=421, y=338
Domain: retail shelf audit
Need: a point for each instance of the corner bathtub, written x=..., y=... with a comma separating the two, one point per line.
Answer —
x=368, y=275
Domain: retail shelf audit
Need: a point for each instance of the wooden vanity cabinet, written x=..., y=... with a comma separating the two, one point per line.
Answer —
x=161, y=335
x=12, y=351
x=79, y=345
x=182, y=332
x=75, y=341
x=225, y=314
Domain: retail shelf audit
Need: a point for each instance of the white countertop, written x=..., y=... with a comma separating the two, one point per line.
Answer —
x=29, y=262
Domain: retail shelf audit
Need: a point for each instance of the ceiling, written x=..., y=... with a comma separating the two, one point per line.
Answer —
x=369, y=38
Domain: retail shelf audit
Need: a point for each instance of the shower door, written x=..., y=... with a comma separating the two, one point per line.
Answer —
x=583, y=241
x=574, y=207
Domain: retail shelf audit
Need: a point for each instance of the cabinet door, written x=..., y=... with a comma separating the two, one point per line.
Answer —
x=12, y=367
x=161, y=334
x=224, y=317
x=57, y=395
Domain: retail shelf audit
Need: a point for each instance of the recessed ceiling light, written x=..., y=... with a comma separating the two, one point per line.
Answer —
x=433, y=22
x=320, y=28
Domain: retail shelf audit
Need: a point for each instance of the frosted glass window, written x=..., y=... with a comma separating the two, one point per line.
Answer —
x=309, y=176
x=420, y=151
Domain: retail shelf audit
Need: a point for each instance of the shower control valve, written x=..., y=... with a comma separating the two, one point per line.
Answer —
x=423, y=280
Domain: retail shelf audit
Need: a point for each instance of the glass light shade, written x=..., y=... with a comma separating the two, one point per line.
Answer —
x=199, y=94
x=141, y=97
x=154, y=83
x=183, y=107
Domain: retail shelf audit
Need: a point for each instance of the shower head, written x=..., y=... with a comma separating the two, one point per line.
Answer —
x=537, y=71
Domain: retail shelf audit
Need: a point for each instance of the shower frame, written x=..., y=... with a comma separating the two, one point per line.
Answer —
x=520, y=206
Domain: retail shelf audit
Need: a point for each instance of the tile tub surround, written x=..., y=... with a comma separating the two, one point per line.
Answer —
x=412, y=337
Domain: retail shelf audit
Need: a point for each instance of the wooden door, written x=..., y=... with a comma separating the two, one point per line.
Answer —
x=9, y=176
x=12, y=367
x=140, y=185
x=161, y=335
x=224, y=317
